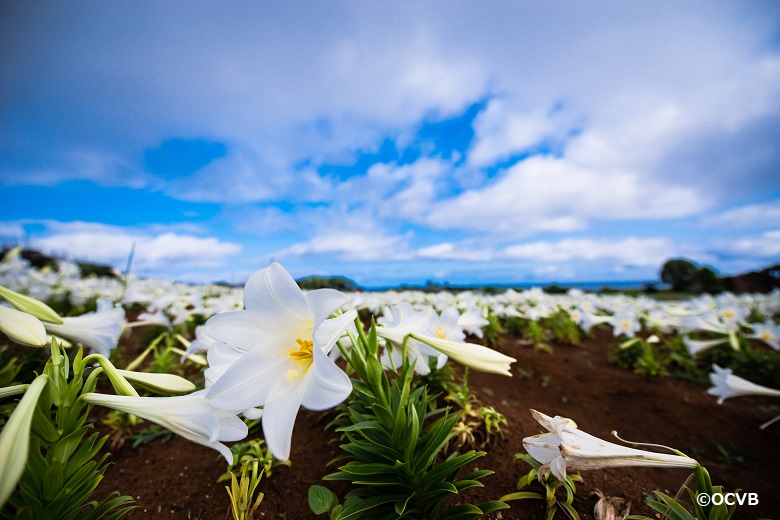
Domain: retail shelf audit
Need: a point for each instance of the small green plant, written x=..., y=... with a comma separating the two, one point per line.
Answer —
x=556, y=494
x=249, y=451
x=121, y=425
x=671, y=509
x=563, y=328
x=63, y=466
x=493, y=420
x=493, y=329
x=536, y=333
x=243, y=501
x=477, y=423
x=728, y=454
x=640, y=355
x=391, y=441
x=147, y=435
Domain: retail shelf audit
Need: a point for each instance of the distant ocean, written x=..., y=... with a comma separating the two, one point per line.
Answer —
x=624, y=285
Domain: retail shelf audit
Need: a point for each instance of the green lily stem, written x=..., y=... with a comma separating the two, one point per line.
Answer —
x=769, y=422
x=121, y=385
x=91, y=383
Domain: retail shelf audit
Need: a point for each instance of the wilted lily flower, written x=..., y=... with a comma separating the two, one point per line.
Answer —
x=98, y=330
x=726, y=385
x=566, y=447
x=275, y=354
x=191, y=416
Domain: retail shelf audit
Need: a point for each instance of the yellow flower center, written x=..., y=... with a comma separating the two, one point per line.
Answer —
x=441, y=333
x=302, y=356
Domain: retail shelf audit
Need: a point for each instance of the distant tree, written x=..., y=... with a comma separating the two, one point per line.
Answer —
x=706, y=280
x=327, y=282
x=678, y=273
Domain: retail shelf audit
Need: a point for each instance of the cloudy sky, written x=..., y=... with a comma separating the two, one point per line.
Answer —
x=469, y=142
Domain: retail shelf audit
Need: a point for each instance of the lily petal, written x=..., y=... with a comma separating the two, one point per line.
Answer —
x=325, y=302
x=247, y=382
x=279, y=416
x=275, y=299
x=238, y=329
x=328, y=386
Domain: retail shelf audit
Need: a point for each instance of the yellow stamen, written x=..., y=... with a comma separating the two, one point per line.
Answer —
x=302, y=356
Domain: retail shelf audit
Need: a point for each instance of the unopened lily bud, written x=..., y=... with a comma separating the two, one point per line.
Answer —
x=22, y=328
x=471, y=355
x=8, y=391
x=15, y=438
x=30, y=305
x=167, y=383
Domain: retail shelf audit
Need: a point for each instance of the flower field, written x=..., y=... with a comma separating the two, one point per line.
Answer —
x=396, y=404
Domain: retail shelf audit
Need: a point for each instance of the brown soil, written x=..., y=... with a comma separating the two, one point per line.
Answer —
x=177, y=479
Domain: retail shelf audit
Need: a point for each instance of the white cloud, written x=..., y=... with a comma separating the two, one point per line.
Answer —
x=501, y=132
x=765, y=247
x=450, y=251
x=296, y=82
x=350, y=246
x=103, y=167
x=647, y=252
x=549, y=194
x=11, y=230
x=239, y=177
x=752, y=216
x=153, y=252
x=265, y=221
x=658, y=111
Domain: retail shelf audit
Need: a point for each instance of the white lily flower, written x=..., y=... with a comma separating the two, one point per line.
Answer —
x=726, y=385
x=192, y=416
x=98, y=330
x=696, y=346
x=152, y=318
x=397, y=323
x=566, y=447
x=472, y=321
x=767, y=332
x=21, y=327
x=275, y=354
x=625, y=323
x=201, y=343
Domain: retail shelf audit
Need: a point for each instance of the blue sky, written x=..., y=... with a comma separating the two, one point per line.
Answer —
x=393, y=142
